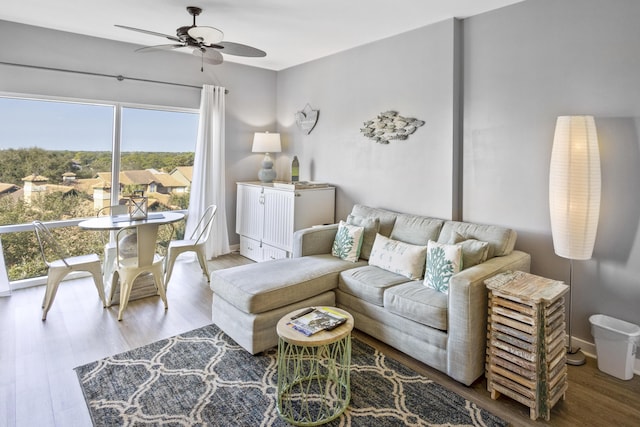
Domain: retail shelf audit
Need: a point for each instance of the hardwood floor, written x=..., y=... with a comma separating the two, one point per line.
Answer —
x=38, y=386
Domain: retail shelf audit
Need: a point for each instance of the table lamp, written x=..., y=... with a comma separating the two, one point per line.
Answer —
x=265, y=142
x=574, y=198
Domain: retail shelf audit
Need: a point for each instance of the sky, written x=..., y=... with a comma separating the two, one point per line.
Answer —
x=86, y=127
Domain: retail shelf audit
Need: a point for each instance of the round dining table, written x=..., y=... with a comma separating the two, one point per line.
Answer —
x=147, y=230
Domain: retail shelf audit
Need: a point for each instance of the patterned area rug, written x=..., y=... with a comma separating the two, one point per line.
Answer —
x=203, y=378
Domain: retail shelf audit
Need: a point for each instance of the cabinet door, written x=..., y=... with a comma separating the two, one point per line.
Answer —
x=278, y=218
x=250, y=211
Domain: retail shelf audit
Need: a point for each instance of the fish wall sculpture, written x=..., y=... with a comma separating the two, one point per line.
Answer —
x=389, y=126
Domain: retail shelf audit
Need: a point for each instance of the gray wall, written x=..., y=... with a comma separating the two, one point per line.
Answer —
x=250, y=104
x=523, y=66
x=412, y=74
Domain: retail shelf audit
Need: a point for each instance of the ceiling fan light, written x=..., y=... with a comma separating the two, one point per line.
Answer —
x=206, y=35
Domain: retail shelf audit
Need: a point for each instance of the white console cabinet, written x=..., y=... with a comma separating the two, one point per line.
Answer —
x=267, y=216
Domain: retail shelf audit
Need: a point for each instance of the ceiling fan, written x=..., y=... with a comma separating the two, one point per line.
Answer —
x=205, y=42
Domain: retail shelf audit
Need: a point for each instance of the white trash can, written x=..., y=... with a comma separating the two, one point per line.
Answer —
x=616, y=345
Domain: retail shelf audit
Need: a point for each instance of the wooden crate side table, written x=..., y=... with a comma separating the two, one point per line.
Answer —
x=526, y=356
x=313, y=372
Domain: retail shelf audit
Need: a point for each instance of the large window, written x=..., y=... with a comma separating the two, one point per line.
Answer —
x=153, y=158
x=57, y=157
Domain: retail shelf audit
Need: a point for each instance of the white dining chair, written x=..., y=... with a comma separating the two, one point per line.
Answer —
x=60, y=264
x=130, y=265
x=109, y=263
x=195, y=243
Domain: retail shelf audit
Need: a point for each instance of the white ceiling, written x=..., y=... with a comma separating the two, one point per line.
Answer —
x=290, y=31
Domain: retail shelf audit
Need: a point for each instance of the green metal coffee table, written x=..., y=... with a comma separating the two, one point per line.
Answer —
x=313, y=372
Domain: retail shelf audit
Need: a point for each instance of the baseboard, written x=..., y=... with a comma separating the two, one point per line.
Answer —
x=589, y=350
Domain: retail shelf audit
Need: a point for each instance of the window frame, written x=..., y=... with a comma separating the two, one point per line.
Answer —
x=116, y=136
x=5, y=285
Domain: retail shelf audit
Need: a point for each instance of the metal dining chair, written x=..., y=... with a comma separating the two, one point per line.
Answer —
x=109, y=263
x=60, y=264
x=195, y=243
x=130, y=264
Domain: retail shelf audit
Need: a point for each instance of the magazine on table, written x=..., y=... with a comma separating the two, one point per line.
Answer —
x=317, y=319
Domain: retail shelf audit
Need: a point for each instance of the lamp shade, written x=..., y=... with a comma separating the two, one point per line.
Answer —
x=574, y=187
x=265, y=142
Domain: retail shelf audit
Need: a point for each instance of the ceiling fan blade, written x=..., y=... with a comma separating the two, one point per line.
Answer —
x=238, y=49
x=159, y=47
x=209, y=56
x=152, y=33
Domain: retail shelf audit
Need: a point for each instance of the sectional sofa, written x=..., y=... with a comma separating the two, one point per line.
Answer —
x=445, y=330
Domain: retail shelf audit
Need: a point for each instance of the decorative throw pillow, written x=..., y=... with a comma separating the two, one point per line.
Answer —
x=474, y=251
x=348, y=242
x=371, y=226
x=398, y=257
x=443, y=261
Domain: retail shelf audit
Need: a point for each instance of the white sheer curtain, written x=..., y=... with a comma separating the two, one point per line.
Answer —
x=208, y=183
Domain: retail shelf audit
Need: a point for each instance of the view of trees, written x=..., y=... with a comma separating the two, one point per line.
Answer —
x=21, y=251
x=159, y=161
x=16, y=164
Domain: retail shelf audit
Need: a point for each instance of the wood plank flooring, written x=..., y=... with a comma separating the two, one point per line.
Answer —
x=38, y=386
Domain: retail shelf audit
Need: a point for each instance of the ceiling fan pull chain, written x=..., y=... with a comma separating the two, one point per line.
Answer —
x=202, y=64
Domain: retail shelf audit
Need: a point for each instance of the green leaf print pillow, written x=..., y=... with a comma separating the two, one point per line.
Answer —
x=443, y=261
x=348, y=242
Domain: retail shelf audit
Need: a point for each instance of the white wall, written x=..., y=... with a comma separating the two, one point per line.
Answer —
x=250, y=104
x=525, y=65
x=412, y=74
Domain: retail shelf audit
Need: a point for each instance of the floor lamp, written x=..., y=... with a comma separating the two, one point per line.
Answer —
x=574, y=198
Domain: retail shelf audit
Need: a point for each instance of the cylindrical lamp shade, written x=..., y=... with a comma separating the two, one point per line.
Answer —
x=574, y=187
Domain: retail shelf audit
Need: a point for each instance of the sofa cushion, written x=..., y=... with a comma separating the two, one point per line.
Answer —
x=418, y=303
x=417, y=230
x=398, y=257
x=257, y=288
x=443, y=261
x=368, y=282
x=348, y=241
x=474, y=251
x=371, y=226
x=501, y=240
x=386, y=218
